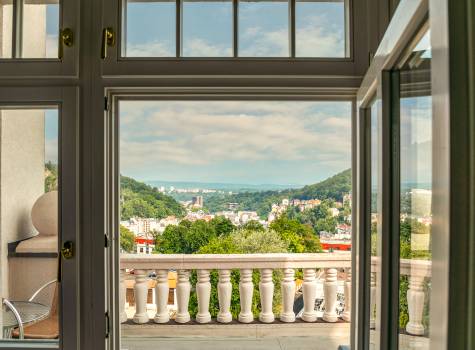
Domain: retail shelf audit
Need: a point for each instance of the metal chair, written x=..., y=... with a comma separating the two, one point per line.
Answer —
x=15, y=312
x=48, y=327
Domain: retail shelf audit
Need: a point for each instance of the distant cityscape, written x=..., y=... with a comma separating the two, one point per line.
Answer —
x=145, y=229
x=194, y=202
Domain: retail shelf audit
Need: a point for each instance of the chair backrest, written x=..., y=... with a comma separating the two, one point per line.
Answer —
x=55, y=301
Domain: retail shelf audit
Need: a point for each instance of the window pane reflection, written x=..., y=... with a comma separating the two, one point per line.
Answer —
x=416, y=198
x=29, y=224
x=40, y=29
x=375, y=221
x=6, y=25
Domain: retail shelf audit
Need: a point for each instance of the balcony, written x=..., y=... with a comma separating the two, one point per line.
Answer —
x=326, y=277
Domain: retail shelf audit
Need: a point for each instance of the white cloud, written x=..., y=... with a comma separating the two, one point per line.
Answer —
x=316, y=38
x=51, y=150
x=201, y=48
x=204, y=134
x=151, y=49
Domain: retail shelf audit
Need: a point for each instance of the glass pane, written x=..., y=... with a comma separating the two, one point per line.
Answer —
x=264, y=29
x=207, y=29
x=243, y=177
x=416, y=198
x=149, y=29
x=6, y=25
x=29, y=222
x=320, y=29
x=40, y=29
x=375, y=222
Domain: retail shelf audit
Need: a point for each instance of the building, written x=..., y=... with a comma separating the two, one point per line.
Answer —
x=145, y=243
x=197, y=201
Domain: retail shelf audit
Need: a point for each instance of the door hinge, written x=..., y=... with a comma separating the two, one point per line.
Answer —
x=107, y=319
x=106, y=104
x=107, y=241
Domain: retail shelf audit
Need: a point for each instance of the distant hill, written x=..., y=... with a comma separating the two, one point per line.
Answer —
x=334, y=188
x=141, y=200
x=221, y=186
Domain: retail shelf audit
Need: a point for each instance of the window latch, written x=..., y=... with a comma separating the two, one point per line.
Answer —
x=108, y=40
x=66, y=38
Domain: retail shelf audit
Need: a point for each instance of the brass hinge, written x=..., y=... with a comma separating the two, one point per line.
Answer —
x=107, y=241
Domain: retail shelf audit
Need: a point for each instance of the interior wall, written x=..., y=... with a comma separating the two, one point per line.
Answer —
x=22, y=149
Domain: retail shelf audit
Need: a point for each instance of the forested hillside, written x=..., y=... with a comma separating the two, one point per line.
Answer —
x=141, y=200
x=333, y=188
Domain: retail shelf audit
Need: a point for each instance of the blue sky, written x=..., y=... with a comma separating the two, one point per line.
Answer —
x=263, y=29
x=51, y=135
x=52, y=30
x=253, y=142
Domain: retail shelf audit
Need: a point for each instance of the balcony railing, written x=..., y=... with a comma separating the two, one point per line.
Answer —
x=417, y=271
x=328, y=263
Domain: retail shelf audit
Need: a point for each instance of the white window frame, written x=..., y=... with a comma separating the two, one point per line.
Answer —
x=114, y=95
x=44, y=67
x=337, y=68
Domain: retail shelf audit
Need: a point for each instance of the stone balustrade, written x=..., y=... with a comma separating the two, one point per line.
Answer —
x=328, y=263
x=418, y=272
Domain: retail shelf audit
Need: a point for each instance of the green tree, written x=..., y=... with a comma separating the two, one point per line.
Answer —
x=299, y=237
x=127, y=239
x=253, y=225
x=172, y=240
x=51, y=177
x=240, y=241
x=222, y=226
x=186, y=238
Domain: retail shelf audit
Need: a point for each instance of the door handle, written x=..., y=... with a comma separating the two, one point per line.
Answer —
x=66, y=38
x=108, y=40
x=67, y=251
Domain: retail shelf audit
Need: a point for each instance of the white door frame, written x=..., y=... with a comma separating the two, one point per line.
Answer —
x=66, y=101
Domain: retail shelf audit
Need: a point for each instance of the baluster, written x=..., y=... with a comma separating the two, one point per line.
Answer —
x=246, y=290
x=372, y=314
x=224, y=296
x=309, y=288
x=122, y=294
x=415, y=305
x=203, y=292
x=183, y=288
x=329, y=291
x=140, y=293
x=161, y=297
x=288, y=296
x=346, y=315
x=266, y=291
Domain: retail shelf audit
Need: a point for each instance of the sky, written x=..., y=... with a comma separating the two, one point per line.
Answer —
x=263, y=29
x=245, y=142
x=51, y=135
